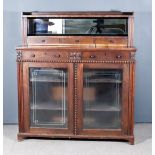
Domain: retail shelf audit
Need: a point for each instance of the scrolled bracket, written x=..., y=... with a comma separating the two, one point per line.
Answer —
x=132, y=55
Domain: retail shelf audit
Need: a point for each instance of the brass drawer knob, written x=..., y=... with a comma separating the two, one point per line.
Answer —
x=77, y=41
x=56, y=56
x=111, y=41
x=43, y=41
x=92, y=56
x=118, y=56
x=33, y=55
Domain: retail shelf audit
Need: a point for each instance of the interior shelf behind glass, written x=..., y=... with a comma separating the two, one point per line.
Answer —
x=57, y=105
x=94, y=106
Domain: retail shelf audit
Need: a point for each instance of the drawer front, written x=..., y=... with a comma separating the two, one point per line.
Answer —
x=118, y=55
x=45, y=55
x=88, y=56
x=105, y=55
x=111, y=41
x=45, y=40
x=96, y=41
x=75, y=55
x=42, y=40
x=77, y=40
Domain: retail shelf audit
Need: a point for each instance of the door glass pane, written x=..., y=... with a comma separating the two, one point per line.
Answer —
x=79, y=26
x=102, y=99
x=48, y=97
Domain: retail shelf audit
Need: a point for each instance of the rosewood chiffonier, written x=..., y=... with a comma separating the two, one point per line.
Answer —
x=76, y=74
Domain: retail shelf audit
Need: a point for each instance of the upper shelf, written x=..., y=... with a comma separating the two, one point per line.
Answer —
x=83, y=28
x=78, y=14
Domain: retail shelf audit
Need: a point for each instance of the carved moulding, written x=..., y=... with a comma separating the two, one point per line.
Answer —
x=76, y=61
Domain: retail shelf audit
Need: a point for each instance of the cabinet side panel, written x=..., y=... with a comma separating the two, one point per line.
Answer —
x=26, y=96
x=131, y=98
x=20, y=97
x=125, y=98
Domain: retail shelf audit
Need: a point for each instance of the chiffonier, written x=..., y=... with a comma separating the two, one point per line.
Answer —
x=76, y=75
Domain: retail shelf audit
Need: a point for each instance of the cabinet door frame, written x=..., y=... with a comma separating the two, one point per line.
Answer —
x=125, y=98
x=41, y=130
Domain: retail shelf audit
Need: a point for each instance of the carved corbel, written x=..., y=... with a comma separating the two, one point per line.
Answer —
x=19, y=55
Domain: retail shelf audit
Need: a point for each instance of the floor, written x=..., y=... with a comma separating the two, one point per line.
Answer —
x=143, y=144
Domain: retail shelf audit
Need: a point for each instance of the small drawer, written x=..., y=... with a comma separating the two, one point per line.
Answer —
x=46, y=40
x=118, y=55
x=76, y=40
x=105, y=55
x=111, y=41
x=42, y=40
x=91, y=56
x=45, y=55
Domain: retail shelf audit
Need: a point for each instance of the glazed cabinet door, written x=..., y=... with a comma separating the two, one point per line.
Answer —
x=102, y=99
x=48, y=101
